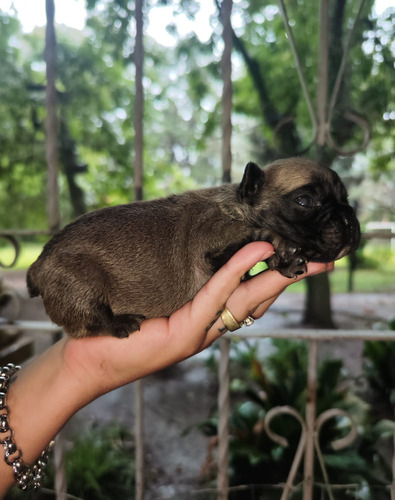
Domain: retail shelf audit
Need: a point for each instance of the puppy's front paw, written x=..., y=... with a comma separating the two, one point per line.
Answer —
x=297, y=267
x=288, y=260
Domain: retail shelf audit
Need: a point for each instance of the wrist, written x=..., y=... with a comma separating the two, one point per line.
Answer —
x=41, y=400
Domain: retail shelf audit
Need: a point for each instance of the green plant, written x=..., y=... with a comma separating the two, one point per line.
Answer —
x=379, y=393
x=99, y=466
x=280, y=379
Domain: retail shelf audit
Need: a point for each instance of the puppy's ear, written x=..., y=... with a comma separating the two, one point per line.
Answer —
x=251, y=183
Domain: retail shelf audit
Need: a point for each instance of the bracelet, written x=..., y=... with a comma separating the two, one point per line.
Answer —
x=27, y=477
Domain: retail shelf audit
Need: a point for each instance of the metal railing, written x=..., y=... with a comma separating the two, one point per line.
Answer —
x=308, y=447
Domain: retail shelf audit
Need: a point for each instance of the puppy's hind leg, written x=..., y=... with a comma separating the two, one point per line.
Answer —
x=104, y=322
x=124, y=324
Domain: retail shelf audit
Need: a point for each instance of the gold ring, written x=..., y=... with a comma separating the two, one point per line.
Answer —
x=231, y=323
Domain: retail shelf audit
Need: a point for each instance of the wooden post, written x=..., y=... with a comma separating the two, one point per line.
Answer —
x=308, y=488
x=322, y=86
x=223, y=397
x=139, y=103
x=226, y=10
x=223, y=419
x=51, y=120
x=138, y=191
x=139, y=438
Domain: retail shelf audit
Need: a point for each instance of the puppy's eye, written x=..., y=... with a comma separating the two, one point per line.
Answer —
x=305, y=201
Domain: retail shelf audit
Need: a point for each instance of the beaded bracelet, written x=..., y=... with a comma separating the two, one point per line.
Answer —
x=28, y=477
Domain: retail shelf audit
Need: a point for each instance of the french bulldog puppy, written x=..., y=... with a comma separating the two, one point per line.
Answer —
x=107, y=271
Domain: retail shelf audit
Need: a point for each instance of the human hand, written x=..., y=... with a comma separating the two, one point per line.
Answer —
x=73, y=372
x=104, y=363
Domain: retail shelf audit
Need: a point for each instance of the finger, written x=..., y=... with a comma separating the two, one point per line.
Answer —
x=313, y=268
x=255, y=296
x=265, y=288
x=199, y=315
x=260, y=310
x=163, y=341
x=210, y=300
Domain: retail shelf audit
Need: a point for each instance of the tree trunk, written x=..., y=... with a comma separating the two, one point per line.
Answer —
x=51, y=120
x=318, y=310
x=138, y=190
x=139, y=103
x=317, y=305
x=71, y=167
x=226, y=91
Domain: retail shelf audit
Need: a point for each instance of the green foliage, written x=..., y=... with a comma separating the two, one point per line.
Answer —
x=380, y=374
x=377, y=445
x=377, y=257
x=99, y=466
x=182, y=100
x=22, y=180
x=270, y=89
x=95, y=110
x=280, y=380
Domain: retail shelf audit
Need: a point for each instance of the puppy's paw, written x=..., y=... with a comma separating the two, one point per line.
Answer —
x=297, y=267
x=124, y=324
x=288, y=260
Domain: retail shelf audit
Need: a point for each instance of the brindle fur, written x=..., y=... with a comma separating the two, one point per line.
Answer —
x=107, y=271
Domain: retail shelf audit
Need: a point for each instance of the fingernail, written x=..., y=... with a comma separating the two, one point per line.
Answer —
x=266, y=255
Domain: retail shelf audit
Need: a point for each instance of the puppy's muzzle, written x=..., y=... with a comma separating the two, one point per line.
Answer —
x=351, y=232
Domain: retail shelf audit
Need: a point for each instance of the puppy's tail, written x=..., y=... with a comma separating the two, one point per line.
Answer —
x=32, y=288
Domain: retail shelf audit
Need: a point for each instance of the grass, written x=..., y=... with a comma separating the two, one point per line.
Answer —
x=375, y=274
x=365, y=281
x=28, y=254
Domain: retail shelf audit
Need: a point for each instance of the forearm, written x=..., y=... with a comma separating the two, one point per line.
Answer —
x=40, y=401
x=74, y=372
x=71, y=374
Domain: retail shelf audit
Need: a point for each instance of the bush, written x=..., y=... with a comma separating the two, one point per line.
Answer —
x=99, y=466
x=280, y=379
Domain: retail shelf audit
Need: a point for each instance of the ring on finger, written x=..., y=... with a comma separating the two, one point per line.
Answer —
x=231, y=322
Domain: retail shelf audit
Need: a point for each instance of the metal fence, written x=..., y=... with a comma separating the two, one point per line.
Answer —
x=308, y=452
x=309, y=445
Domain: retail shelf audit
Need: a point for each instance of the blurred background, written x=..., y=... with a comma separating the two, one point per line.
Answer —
x=95, y=104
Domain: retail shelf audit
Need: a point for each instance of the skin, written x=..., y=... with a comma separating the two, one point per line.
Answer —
x=72, y=373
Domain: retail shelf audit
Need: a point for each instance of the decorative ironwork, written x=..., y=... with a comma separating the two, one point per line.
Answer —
x=321, y=118
x=311, y=426
x=314, y=436
x=13, y=235
x=15, y=246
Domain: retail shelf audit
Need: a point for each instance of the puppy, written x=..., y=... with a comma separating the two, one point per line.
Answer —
x=107, y=271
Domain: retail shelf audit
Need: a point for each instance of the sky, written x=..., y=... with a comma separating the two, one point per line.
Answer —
x=72, y=13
